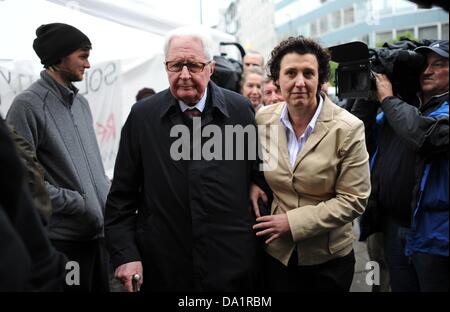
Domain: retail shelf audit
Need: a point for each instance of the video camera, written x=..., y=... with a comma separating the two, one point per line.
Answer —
x=228, y=71
x=355, y=77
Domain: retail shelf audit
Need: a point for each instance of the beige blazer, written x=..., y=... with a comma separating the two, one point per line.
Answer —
x=327, y=188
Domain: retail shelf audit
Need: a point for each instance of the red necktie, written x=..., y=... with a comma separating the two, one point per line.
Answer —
x=192, y=112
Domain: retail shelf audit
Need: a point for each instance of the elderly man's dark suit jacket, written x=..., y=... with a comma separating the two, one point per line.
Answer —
x=193, y=228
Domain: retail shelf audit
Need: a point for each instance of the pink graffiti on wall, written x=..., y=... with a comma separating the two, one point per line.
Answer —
x=106, y=132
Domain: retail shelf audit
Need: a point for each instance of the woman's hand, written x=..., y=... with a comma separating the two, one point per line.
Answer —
x=273, y=226
x=255, y=193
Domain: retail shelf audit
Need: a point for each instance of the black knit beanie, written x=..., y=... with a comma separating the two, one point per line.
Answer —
x=55, y=41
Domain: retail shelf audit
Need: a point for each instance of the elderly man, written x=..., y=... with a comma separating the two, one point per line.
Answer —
x=57, y=122
x=409, y=200
x=251, y=59
x=182, y=224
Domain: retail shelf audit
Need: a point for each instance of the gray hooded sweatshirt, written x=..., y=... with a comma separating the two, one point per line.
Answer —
x=58, y=123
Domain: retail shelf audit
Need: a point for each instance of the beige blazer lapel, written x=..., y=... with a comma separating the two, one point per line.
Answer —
x=319, y=132
x=283, y=153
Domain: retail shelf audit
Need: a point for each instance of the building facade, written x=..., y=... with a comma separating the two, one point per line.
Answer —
x=253, y=24
x=374, y=22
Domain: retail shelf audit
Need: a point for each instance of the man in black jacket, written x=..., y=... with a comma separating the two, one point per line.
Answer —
x=409, y=201
x=183, y=224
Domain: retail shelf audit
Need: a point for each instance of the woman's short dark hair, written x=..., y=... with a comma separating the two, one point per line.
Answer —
x=300, y=45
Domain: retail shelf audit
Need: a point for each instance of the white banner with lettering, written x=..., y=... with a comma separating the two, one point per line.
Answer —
x=102, y=86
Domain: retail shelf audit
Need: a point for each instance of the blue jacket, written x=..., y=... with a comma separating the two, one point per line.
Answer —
x=425, y=132
x=429, y=228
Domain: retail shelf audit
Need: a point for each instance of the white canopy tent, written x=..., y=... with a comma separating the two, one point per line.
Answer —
x=127, y=55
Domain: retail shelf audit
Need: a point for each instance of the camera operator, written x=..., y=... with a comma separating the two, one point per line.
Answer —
x=408, y=143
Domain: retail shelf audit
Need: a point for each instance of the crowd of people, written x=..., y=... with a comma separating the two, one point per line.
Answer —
x=181, y=214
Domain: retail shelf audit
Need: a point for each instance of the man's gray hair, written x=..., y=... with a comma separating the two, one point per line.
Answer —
x=199, y=32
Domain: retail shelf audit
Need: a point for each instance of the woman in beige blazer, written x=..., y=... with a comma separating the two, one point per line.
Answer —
x=317, y=168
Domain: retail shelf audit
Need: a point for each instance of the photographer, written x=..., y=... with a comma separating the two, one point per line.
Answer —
x=408, y=143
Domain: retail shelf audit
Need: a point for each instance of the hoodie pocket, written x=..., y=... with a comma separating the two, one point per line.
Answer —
x=84, y=224
x=92, y=215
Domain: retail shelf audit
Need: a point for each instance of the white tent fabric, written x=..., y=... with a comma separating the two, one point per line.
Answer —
x=20, y=18
x=127, y=55
x=129, y=13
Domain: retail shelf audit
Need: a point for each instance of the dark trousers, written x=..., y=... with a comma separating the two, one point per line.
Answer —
x=333, y=276
x=93, y=263
x=420, y=272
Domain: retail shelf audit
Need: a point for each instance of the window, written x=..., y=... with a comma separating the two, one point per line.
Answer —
x=403, y=6
x=303, y=30
x=406, y=33
x=385, y=7
x=429, y=32
x=313, y=29
x=444, y=32
x=382, y=37
x=336, y=19
x=349, y=15
x=324, y=24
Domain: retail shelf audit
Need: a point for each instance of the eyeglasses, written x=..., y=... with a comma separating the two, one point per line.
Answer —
x=194, y=67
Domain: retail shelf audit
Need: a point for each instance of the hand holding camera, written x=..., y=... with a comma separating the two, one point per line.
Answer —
x=383, y=85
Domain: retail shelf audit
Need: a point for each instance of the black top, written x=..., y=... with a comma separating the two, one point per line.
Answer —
x=27, y=260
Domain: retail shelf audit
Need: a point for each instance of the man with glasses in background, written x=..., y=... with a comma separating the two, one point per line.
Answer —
x=182, y=224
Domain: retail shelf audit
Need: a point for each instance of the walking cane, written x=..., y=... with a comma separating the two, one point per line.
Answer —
x=134, y=281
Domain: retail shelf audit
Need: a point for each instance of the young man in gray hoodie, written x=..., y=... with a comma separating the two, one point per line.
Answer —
x=58, y=123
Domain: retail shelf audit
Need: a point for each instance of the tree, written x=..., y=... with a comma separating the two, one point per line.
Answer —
x=333, y=67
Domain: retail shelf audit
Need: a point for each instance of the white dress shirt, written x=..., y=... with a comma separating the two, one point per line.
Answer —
x=200, y=105
x=295, y=145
